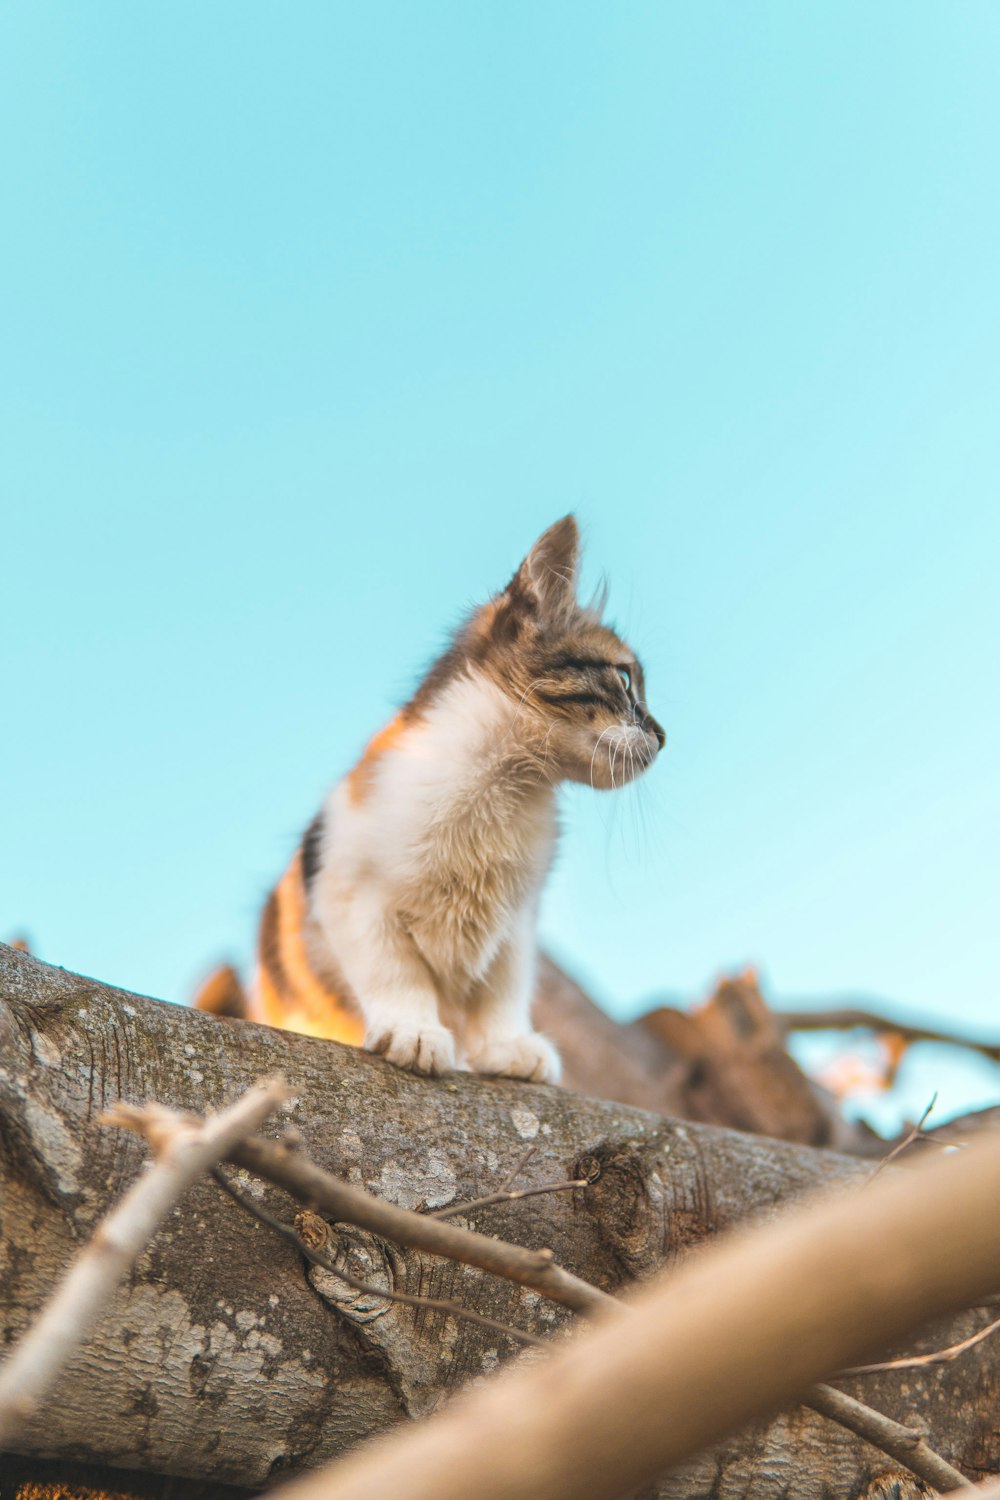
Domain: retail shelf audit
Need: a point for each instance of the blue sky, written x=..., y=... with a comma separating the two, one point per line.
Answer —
x=314, y=316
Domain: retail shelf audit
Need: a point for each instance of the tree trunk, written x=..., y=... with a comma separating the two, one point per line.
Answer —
x=227, y=1360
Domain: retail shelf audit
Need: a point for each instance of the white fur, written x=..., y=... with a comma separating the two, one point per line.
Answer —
x=426, y=896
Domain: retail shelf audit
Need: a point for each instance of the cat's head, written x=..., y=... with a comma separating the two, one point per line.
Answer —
x=578, y=688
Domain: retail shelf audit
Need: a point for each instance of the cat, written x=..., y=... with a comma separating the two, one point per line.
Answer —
x=406, y=920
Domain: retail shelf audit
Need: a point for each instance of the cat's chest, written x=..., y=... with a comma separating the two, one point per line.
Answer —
x=468, y=885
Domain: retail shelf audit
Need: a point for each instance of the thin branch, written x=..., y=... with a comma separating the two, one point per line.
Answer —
x=917, y=1361
x=184, y=1148
x=345, y=1203
x=914, y=1132
x=907, y=1446
x=512, y=1176
x=506, y=1197
x=327, y=1263
x=849, y=1019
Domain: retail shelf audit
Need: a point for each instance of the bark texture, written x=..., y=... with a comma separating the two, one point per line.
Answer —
x=226, y=1359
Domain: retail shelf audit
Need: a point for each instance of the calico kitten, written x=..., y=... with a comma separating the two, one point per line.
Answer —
x=406, y=920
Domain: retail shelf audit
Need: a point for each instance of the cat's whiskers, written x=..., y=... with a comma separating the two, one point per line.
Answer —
x=534, y=756
x=544, y=752
x=638, y=807
x=540, y=760
x=615, y=748
x=610, y=730
x=519, y=709
x=623, y=744
x=645, y=800
x=630, y=752
x=624, y=760
x=536, y=682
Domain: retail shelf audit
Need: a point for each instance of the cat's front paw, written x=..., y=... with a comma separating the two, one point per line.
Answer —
x=530, y=1056
x=419, y=1049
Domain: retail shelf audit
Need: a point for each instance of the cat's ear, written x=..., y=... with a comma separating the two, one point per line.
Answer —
x=548, y=575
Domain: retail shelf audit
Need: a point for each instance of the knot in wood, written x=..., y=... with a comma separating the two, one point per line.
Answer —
x=625, y=1198
x=312, y=1230
x=365, y=1259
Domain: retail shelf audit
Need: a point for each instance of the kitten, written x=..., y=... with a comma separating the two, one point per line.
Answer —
x=406, y=920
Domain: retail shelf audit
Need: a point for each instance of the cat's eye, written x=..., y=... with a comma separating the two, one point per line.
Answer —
x=626, y=678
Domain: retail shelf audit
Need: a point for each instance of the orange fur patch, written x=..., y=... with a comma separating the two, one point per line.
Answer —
x=360, y=779
x=310, y=1007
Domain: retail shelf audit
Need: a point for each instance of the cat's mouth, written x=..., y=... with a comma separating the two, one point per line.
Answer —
x=622, y=752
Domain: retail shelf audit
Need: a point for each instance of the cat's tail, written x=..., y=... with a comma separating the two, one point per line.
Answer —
x=290, y=991
x=223, y=994
x=286, y=991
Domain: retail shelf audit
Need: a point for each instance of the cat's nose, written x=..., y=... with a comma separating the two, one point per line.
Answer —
x=650, y=725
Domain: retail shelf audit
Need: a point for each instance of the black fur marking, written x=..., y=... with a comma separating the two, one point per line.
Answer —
x=311, y=850
x=566, y=661
x=603, y=699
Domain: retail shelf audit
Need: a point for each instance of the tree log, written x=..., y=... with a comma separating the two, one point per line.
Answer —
x=723, y=1062
x=227, y=1360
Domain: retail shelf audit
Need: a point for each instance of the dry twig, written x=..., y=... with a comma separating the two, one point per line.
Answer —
x=347, y=1204
x=517, y=1169
x=316, y=1255
x=917, y=1361
x=506, y=1196
x=912, y=1134
x=907, y=1446
x=184, y=1148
